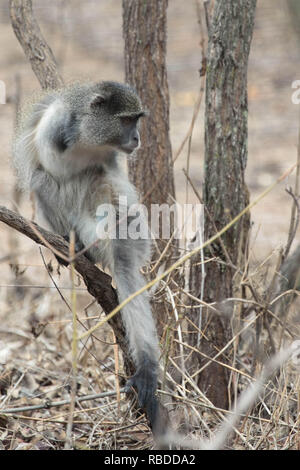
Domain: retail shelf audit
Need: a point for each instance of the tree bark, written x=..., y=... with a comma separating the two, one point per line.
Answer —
x=36, y=49
x=145, y=36
x=225, y=192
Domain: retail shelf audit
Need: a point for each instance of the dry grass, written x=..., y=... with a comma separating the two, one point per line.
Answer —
x=44, y=371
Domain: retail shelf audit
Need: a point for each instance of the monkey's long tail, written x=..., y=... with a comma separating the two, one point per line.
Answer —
x=142, y=340
x=137, y=318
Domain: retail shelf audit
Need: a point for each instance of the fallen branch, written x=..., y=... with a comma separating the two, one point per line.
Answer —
x=51, y=404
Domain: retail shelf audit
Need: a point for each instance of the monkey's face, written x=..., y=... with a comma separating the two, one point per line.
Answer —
x=128, y=139
x=113, y=118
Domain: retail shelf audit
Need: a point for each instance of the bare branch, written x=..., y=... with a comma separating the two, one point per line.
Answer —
x=97, y=282
x=36, y=49
x=50, y=404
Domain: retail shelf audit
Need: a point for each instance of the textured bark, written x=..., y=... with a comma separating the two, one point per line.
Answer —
x=34, y=45
x=145, y=37
x=144, y=30
x=225, y=192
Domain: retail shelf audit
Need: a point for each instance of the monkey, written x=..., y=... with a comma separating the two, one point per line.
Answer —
x=68, y=151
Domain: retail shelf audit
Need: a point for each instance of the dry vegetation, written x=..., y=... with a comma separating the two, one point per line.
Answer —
x=36, y=295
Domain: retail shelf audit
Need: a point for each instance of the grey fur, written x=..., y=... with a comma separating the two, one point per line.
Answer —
x=67, y=152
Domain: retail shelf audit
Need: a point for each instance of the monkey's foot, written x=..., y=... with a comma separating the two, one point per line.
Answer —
x=144, y=381
x=78, y=247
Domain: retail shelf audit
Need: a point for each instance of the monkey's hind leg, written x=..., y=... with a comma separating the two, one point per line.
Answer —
x=79, y=246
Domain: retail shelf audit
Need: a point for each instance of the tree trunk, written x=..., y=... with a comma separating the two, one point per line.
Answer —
x=144, y=30
x=145, y=36
x=225, y=192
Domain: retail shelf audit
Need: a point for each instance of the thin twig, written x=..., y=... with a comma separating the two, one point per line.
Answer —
x=49, y=404
x=207, y=18
x=295, y=207
x=294, y=224
x=68, y=441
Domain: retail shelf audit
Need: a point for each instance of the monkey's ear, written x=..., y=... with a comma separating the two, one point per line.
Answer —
x=97, y=100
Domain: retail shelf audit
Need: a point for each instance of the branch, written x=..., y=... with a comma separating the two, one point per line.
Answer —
x=50, y=404
x=97, y=282
x=36, y=49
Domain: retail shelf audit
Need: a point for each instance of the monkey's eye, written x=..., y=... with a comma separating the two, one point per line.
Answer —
x=128, y=121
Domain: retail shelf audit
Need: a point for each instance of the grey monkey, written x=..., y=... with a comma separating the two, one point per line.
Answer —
x=67, y=151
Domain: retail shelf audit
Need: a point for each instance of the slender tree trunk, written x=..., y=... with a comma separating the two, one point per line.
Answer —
x=144, y=29
x=145, y=36
x=225, y=192
x=35, y=47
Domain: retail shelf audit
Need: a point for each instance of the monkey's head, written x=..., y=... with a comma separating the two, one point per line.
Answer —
x=111, y=117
